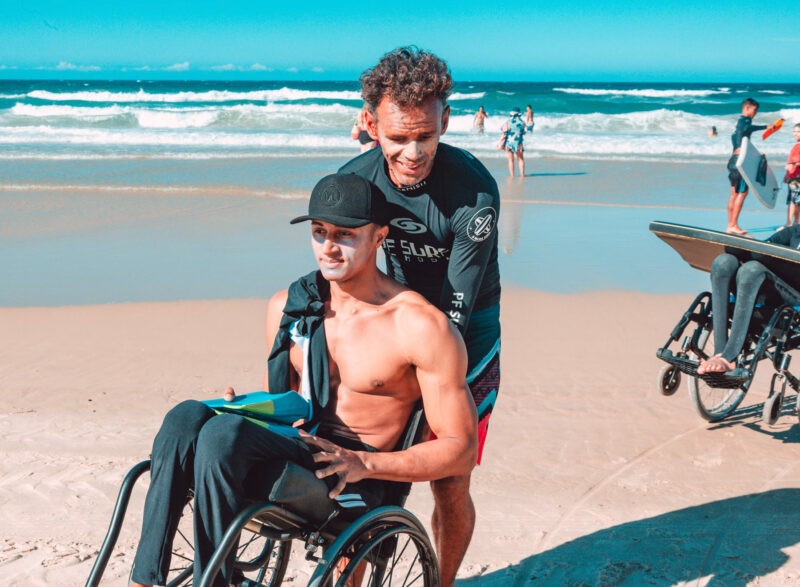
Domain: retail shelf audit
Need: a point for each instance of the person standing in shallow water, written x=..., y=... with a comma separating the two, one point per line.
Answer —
x=480, y=117
x=514, y=130
x=442, y=243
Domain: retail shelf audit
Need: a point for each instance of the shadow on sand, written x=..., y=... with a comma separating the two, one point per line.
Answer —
x=730, y=542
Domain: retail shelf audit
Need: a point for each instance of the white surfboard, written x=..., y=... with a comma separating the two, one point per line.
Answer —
x=748, y=162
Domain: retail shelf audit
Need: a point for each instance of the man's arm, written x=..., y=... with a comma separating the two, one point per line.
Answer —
x=440, y=357
x=274, y=314
x=474, y=243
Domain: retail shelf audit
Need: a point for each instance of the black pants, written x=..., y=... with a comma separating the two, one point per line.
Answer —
x=752, y=279
x=225, y=458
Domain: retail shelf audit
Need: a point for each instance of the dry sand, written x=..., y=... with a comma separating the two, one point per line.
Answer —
x=589, y=478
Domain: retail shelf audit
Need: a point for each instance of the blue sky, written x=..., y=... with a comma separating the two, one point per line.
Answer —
x=578, y=40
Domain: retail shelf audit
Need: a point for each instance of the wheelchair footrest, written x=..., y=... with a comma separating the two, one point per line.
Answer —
x=727, y=380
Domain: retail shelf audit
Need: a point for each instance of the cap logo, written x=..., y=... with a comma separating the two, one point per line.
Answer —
x=331, y=195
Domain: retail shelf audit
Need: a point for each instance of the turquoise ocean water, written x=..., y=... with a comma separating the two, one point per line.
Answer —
x=137, y=191
x=96, y=119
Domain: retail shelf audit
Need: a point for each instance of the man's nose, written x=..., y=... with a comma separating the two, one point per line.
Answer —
x=413, y=150
x=329, y=246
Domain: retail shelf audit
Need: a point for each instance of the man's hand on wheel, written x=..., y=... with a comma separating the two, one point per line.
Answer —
x=347, y=464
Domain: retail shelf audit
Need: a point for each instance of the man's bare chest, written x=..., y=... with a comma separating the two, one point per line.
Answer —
x=363, y=355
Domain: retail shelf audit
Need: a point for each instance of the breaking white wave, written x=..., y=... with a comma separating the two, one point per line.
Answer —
x=462, y=96
x=281, y=95
x=647, y=93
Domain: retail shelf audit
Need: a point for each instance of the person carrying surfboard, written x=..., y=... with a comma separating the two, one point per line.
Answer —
x=792, y=179
x=744, y=128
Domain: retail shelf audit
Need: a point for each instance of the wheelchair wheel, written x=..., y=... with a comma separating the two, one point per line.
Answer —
x=391, y=549
x=263, y=562
x=669, y=379
x=774, y=402
x=712, y=403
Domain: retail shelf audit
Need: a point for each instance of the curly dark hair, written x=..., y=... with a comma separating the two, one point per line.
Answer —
x=407, y=76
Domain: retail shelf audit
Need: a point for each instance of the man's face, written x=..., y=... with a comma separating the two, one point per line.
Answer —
x=342, y=253
x=409, y=137
x=750, y=111
x=796, y=133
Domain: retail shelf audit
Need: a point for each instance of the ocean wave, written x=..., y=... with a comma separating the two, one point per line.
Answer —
x=778, y=92
x=114, y=138
x=244, y=116
x=469, y=96
x=281, y=95
x=650, y=121
x=647, y=93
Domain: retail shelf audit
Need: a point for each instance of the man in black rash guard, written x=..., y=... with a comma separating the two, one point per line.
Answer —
x=744, y=128
x=442, y=242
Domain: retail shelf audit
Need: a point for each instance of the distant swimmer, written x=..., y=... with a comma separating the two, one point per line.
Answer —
x=529, y=118
x=713, y=131
x=360, y=133
x=513, y=131
x=480, y=117
x=792, y=179
x=744, y=128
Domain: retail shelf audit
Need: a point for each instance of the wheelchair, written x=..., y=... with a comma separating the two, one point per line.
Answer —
x=773, y=332
x=385, y=546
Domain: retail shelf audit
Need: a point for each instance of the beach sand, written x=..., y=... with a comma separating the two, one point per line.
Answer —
x=590, y=477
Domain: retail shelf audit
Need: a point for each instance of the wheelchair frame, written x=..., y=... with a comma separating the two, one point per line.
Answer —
x=772, y=334
x=373, y=538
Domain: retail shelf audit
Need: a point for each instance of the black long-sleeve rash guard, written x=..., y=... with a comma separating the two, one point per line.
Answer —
x=744, y=128
x=442, y=238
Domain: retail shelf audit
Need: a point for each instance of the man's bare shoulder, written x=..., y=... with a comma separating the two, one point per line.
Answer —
x=276, y=304
x=420, y=323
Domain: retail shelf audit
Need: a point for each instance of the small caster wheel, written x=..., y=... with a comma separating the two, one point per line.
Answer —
x=669, y=378
x=772, y=406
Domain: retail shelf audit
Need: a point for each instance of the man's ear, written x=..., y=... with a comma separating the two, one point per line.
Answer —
x=445, y=119
x=381, y=234
x=372, y=124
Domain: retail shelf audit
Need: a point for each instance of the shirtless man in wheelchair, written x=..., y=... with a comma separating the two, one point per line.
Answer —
x=372, y=349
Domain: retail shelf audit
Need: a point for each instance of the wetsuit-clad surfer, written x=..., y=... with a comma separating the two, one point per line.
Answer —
x=442, y=242
x=744, y=128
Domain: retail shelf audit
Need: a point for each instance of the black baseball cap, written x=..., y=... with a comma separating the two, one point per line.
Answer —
x=347, y=200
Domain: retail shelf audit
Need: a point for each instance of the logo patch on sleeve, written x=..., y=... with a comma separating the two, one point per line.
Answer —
x=482, y=224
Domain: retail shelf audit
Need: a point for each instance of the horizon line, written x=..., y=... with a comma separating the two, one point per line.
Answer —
x=355, y=80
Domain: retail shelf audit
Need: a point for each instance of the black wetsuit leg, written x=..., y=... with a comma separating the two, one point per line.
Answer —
x=749, y=279
x=722, y=272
